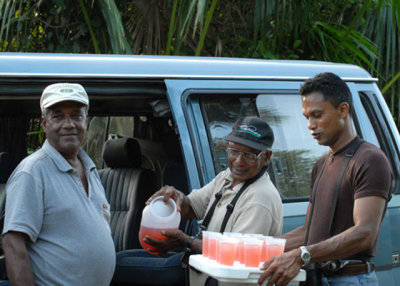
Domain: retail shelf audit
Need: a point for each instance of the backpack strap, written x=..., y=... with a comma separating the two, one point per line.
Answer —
x=210, y=212
x=315, y=187
x=349, y=154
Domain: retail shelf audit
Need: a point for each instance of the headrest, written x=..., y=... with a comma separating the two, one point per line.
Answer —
x=172, y=147
x=7, y=165
x=122, y=153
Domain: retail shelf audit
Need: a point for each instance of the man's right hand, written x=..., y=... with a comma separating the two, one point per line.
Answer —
x=169, y=192
x=182, y=202
x=281, y=269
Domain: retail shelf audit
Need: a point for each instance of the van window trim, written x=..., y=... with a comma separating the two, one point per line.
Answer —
x=381, y=127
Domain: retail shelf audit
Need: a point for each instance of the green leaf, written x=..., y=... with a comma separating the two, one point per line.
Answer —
x=115, y=28
x=297, y=44
x=203, y=34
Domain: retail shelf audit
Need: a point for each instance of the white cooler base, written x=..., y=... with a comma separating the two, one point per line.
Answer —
x=228, y=275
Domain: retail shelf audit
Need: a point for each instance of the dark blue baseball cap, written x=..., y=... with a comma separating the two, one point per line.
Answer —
x=252, y=132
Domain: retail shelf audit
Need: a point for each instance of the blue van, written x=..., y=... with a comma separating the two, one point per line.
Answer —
x=179, y=109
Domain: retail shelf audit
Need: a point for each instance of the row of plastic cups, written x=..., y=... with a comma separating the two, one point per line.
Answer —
x=250, y=250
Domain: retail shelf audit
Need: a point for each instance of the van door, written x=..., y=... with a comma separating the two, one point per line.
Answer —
x=205, y=110
x=377, y=126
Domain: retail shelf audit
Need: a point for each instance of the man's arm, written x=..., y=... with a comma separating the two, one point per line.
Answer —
x=367, y=216
x=18, y=264
x=296, y=237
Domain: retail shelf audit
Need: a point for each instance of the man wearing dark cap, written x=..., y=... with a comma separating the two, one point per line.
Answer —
x=56, y=228
x=257, y=210
x=249, y=153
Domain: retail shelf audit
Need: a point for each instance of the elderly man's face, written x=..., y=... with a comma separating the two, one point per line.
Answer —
x=65, y=126
x=241, y=168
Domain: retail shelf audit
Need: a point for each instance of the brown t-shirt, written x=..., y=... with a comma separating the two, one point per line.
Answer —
x=368, y=174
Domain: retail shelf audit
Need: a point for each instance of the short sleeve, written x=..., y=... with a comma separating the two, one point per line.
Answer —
x=24, y=205
x=373, y=177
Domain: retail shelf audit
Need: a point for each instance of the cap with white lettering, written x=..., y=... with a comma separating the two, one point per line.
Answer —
x=252, y=132
x=59, y=92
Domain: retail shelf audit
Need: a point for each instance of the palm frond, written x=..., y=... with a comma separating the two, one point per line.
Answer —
x=115, y=28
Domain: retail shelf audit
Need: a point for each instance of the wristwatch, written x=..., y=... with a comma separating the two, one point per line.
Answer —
x=189, y=243
x=305, y=255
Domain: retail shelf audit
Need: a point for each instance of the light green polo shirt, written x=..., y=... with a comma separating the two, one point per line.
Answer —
x=70, y=237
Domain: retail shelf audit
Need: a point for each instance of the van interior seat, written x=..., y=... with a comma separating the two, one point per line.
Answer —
x=127, y=186
x=174, y=171
x=154, y=157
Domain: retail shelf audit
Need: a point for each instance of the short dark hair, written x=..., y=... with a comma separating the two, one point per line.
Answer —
x=332, y=87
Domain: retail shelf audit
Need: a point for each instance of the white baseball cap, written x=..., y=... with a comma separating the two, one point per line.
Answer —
x=59, y=92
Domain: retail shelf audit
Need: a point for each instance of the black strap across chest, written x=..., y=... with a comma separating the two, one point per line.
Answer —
x=231, y=205
x=348, y=155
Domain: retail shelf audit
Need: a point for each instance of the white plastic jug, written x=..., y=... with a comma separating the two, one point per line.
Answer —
x=158, y=216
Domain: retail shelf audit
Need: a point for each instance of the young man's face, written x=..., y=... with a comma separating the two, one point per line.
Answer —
x=324, y=120
x=65, y=126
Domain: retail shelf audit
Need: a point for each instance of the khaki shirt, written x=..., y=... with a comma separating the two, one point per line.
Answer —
x=258, y=209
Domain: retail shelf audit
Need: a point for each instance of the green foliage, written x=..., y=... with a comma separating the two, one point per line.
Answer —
x=206, y=25
x=381, y=24
x=114, y=26
x=363, y=32
x=57, y=26
x=35, y=136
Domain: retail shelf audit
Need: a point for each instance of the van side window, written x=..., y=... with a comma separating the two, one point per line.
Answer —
x=99, y=128
x=220, y=113
x=294, y=149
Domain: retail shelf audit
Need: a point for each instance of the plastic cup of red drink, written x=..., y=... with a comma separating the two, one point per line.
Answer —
x=252, y=251
x=274, y=246
x=239, y=237
x=277, y=247
x=228, y=246
x=264, y=248
x=205, y=240
x=213, y=245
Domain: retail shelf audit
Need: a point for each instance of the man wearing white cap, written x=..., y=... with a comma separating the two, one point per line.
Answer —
x=56, y=229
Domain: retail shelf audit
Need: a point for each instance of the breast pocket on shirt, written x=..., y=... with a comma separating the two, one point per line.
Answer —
x=106, y=212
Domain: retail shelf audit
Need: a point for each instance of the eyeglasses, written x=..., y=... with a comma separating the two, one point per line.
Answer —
x=58, y=117
x=249, y=157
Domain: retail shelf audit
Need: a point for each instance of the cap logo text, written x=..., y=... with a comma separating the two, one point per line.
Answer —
x=66, y=90
x=250, y=129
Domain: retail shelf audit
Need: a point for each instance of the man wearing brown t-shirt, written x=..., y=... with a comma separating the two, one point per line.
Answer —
x=347, y=202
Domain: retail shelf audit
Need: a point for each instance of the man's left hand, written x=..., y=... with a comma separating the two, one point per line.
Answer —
x=281, y=269
x=174, y=238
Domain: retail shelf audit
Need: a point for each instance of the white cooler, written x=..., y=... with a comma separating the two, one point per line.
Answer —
x=201, y=268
